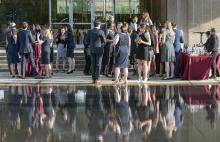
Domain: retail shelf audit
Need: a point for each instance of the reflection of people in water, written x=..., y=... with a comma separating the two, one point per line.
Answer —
x=48, y=107
x=62, y=96
x=123, y=123
x=14, y=105
x=96, y=114
x=179, y=116
x=145, y=110
x=212, y=110
x=28, y=108
x=156, y=103
x=133, y=100
x=167, y=112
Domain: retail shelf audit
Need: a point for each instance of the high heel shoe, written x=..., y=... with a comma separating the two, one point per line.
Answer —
x=69, y=72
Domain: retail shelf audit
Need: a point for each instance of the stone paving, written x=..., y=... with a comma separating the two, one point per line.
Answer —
x=79, y=78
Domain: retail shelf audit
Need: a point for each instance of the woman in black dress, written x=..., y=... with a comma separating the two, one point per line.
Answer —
x=145, y=110
x=144, y=41
x=70, y=49
x=109, y=47
x=45, y=52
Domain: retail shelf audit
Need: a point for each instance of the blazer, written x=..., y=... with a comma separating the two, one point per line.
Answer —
x=70, y=41
x=25, y=41
x=178, y=40
x=212, y=44
x=96, y=39
x=11, y=47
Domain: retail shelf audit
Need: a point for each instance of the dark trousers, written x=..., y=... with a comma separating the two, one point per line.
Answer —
x=177, y=64
x=87, y=68
x=157, y=61
x=96, y=65
x=23, y=63
x=9, y=69
x=132, y=56
x=213, y=61
x=88, y=64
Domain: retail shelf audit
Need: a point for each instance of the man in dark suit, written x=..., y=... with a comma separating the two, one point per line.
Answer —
x=177, y=46
x=87, y=55
x=96, y=40
x=133, y=26
x=24, y=44
x=212, y=47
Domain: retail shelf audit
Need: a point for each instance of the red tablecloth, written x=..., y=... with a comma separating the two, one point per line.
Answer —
x=36, y=54
x=194, y=67
x=218, y=93
x=196, y=95
x=218, y=63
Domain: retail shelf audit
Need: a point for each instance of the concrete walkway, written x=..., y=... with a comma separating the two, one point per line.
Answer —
x=80, y=79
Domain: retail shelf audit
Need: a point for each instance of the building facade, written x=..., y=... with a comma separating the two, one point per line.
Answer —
x=190, y=15
x=78, y=13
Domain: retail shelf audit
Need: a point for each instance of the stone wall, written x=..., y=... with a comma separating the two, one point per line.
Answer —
x=203, y=15
x=193, y=16
x=177, y=12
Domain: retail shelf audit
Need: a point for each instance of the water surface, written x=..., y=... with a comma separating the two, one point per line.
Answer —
x=109, y=113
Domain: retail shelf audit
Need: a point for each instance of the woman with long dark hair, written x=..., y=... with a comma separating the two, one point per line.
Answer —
x=61, y=49
x=70, y=49
x=144, y=41
x=109, y=47
x=12, y=50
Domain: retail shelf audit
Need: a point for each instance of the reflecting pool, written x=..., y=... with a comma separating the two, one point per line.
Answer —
x=141, y=113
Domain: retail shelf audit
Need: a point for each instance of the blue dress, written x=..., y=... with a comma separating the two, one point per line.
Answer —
x=122, y=51
x=45, y=51
x=70, y=45
x=123, y=115
x=12, y=50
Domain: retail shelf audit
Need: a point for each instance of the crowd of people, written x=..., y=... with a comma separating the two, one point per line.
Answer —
x=143, y=111
x=20, y=45
x=147, y=48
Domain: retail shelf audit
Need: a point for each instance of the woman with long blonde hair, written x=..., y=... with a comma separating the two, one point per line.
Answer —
x=45, y=52
x=168, y=55
x=146, y=20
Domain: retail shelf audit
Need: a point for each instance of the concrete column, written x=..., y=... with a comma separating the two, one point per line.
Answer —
x=171, y=10
x=104, y=9
x=92, y=9
x=178, y=12
x=50, y=16
x=70, y=4
x=113, y=8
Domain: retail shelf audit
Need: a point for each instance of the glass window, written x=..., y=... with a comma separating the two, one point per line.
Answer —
x=26, y=10
x=81, y=11
x=122, y=6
